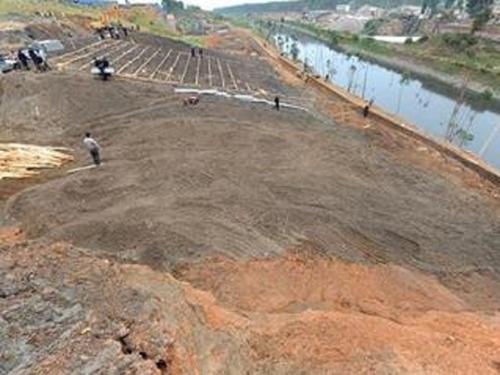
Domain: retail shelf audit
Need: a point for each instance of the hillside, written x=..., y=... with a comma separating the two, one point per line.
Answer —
x=307, y=5
x=231, y=236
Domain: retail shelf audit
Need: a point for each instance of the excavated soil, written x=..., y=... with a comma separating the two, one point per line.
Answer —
x=65, y=311
x=298, y=244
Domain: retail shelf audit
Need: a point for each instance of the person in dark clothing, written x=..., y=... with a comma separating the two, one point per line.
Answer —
x=193, y=52
x=277, y=103
x=23, y=60
x=125, y=31
x=200, y=52
x=366, y=109
x=37, y=61
x=102, y=64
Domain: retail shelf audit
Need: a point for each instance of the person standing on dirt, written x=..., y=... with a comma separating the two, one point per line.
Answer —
x=277, y=103
x=42, y=55
x=193, y=52
x=94, y=148
x=23, y=60
x=35, y=58
x=366, y=109
x=200, y=52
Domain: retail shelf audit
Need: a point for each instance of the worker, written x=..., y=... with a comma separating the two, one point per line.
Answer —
x=192, y=100
x=42, y=55
x=193, y=52
x=101, y=64
x=23, y=60
x=366, y=108
x=35, y=58
x=277, y=103
x=94, y=148
x=200, y=52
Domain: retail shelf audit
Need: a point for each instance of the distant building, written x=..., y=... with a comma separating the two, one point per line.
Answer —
x=343, y=8
x=408, y=10
x=171, y=22
x=370, y=12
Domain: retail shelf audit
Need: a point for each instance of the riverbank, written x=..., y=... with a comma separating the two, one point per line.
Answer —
x=392, y=121
x=394, y=57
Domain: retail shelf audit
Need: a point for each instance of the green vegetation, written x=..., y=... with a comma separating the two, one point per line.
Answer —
x=32, y=7
x=148, y=19
x=307, y=5
x=372, y=26
x=457, y=54
x=172, y=6
x=453, y=54
x=354, y=42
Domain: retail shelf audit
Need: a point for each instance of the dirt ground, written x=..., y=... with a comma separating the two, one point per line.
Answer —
x=297, y=243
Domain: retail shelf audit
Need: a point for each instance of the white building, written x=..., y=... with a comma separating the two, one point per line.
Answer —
x=343, y=8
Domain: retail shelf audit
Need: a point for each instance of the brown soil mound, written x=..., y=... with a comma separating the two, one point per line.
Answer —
x=297, y=283
x=65, y=311
x=350, y=318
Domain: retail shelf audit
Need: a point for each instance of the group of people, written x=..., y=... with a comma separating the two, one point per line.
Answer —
x=193, y=52
x=113, y=32
x=38, y=58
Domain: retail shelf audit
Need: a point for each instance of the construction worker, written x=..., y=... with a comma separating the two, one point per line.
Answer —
x=35, y=58
x=42, y=56
x=102, y=64
x=366, y=108
x=94, y=148
x=277, y=103
x=23, y=60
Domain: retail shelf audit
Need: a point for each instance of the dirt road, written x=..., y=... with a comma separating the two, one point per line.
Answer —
x=219, y=194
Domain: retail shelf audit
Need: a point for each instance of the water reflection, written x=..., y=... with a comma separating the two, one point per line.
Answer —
x=446, y=116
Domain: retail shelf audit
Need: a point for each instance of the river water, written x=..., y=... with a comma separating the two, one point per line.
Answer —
x=423, y=104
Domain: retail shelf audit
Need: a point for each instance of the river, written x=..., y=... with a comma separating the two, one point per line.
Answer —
x=428, y=106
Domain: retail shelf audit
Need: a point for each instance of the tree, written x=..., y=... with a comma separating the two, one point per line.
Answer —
x=172, y=6
x=449, y=3
x=431, y=5
x=480, y=11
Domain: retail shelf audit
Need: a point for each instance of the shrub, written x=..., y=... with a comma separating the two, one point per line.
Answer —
x=459, y=42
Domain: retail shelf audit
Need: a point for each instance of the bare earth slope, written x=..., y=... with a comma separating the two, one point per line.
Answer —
x=298, y=245
x=242, y=180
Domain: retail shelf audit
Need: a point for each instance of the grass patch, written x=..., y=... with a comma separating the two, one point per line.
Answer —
x=32, y=7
